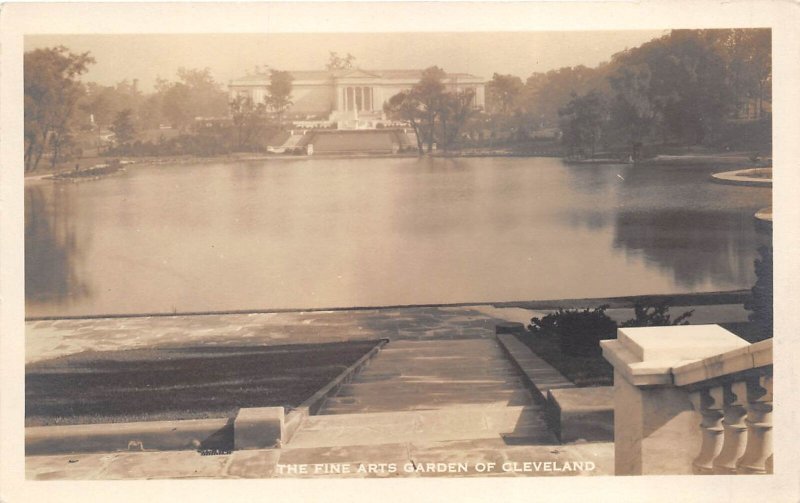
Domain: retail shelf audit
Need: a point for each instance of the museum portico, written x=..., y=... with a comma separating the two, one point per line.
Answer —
x=349, y=99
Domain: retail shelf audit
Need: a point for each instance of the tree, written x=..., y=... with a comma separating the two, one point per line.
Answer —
x=176, y=105
x=546, y=93
x=279, y=93
x=582, y=123
x=51, y=93
x=335, y=62
x=123, y=127
x=429, y=92
x=748, y=55
x=248, y=119
x=688, y=83
x=404, y=106
x=504, y=92
x=455, y=110
x=206, y=96
x=633, y=116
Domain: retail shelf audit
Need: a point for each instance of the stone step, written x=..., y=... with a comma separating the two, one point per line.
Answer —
x=423, y=388
x=414, y=401
x=402, y=380
x=440, y=373
x=422, y=349
x=454, y=423
x=465, y=365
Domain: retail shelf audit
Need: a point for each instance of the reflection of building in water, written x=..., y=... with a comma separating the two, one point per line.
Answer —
x=349, y=99
x=698, y=246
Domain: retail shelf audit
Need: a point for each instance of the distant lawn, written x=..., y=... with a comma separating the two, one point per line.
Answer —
x=180, y=383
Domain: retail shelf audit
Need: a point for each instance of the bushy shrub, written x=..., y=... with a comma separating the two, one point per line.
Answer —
x=184, y=144
x=579, y=331
x=656, y=315
x=760, y=304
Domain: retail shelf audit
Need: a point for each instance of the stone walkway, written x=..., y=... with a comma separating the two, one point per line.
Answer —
x=441, y=396
x=452, y=407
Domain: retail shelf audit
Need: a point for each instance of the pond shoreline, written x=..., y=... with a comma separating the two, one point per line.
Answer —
x=677, y=299
x=729, y=159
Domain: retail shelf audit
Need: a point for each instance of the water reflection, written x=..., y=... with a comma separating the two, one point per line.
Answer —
x=53, y=257
x=344, y=232
x=697, y=247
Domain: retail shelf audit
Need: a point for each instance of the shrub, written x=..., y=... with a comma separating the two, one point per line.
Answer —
x=579, y=332
x=760, y=304
x=656, y=315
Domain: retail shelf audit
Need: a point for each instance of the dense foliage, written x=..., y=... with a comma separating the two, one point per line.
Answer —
x=760, y=305
x=688, y=87
x=579, y=332
x=52, y=91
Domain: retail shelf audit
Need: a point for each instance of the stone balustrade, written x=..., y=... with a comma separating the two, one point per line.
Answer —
x=690, y=399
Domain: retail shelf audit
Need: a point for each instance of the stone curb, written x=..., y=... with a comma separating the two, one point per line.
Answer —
x=539, y=376
x=187, y=434
x=738, y=177
x=296, y=418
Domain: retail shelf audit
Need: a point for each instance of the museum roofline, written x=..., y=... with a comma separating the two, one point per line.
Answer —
x=325, y=75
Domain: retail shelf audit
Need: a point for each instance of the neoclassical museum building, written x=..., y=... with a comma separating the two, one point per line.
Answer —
x=348, y=99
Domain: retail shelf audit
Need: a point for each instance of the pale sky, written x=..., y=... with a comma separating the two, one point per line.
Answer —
x=229, y=56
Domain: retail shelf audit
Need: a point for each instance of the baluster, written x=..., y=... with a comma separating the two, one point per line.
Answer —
x=735, y=436
x=709, y=403
x=759, y=427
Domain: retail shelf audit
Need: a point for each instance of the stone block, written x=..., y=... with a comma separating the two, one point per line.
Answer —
x=675, y=343
x=581, y=413
x=509, y=327
x=259, y=428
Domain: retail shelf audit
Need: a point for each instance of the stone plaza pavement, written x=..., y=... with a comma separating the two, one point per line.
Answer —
x=441, y=399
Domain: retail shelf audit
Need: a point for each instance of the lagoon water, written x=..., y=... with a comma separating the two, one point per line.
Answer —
x=311, y=233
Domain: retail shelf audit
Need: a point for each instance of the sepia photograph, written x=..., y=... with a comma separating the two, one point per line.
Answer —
x=396, y=253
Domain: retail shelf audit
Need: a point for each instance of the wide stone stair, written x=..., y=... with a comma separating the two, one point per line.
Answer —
x=429, y=391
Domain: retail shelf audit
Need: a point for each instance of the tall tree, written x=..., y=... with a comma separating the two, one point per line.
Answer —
x=51, y=93
x=248, y=119
x=206, y=96
x=503, y=92
x=456, y=109
x=123, y=127
x=689, y=86
x=546, y=93
x=279, y=93
x=176, y=105
x=429, y=91
x=404, y=106
x=633, y=115
x=582, y=123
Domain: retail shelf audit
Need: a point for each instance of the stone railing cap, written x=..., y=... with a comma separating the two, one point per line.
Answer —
x=731, y=362
x=646, y=356
x=683, y=342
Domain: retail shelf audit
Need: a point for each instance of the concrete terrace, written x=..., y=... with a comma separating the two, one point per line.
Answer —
x=442, y=391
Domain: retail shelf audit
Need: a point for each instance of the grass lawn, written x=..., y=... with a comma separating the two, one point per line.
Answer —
x=180, y=383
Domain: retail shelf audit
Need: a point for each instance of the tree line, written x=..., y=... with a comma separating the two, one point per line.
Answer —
x=685, y=87
x=59, y=107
